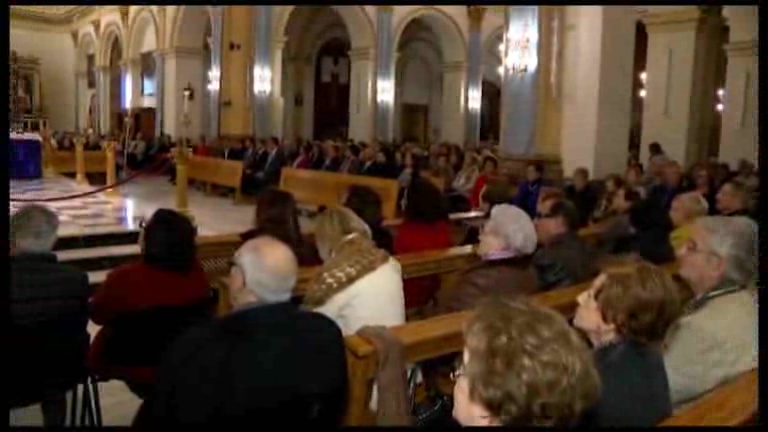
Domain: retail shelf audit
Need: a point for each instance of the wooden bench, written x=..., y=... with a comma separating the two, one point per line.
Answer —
x=319, y=188
x=64, y=161
x=428, y=339
x=215, y=171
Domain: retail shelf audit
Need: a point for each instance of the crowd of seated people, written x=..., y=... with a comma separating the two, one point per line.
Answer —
x=641, y=344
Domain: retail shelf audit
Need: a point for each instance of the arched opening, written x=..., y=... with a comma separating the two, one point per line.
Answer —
x=418, y=78
x=143, y=98
x=316, y=74
x=116, y=90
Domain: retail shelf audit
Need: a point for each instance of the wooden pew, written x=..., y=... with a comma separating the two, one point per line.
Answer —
x=215, y=171
x=428, y=339
x=63, y=161
x=319, y=188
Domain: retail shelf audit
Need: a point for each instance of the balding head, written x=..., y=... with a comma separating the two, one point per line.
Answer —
x=265, y=271
x=687, y=207
x=33, y=229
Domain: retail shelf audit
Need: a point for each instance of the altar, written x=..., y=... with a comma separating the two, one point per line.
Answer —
x=26, y=158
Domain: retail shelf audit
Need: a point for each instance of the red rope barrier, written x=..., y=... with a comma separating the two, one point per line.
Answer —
x=162, y=163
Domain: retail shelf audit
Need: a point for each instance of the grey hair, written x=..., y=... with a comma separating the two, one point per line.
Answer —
x=512, y=225
x=33, y=229
x=270, y=280
x=735, y=240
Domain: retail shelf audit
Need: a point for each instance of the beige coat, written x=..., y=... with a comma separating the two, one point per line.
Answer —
x=711, y=345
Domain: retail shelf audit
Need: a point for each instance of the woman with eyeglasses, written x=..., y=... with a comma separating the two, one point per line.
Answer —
x=705, y=186
x=165, y=283
x=523, y=366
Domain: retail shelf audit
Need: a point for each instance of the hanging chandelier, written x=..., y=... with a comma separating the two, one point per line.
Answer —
x=518, y=51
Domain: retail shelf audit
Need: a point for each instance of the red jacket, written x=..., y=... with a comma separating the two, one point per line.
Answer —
x=419, y=237
x=474, y=198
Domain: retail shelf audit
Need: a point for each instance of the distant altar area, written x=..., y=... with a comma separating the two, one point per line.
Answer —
x=25, y=94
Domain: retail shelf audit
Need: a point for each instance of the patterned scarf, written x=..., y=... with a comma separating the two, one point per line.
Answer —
x=354, y=258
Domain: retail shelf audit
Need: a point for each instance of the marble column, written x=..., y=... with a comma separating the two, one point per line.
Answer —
x=519, y=87
x=159, y=92
x=262, y=77
x=596, y=83
x=214, y=74
x=739, y=133
x=385, y=74
x=126, y=85
x=81, y=83
x=102, y=99
x=361, y=95
x=474, y=96
x=134, y=70
x=452, y=107
x=679, y=106
x=183, y=67
x=277, y=103
x=306, y=78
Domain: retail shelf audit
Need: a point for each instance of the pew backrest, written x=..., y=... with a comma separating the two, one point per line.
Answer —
x=64, y=162
x=215, y=171
x=319, y=188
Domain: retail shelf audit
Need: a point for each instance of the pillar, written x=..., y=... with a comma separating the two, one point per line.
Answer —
x=738, y=138
x=127, y=84
x=519, y=79
x=214, y=74
x=159, y=92
x=474, y=95
x=679, y=106
x=262, y=70
x=361, y=95
x=102, y=99
x=182, y=68
x=80, y=161
x=306, y=79
x=597, y=88
x=385, y=74
x=452, y=107
x=134, y=70
x=277, y=102
x=80, y=84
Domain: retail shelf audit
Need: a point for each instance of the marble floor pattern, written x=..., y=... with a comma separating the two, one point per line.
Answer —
x=141, y=197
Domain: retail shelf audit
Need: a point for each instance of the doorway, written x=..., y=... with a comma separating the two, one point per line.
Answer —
x=415, y=122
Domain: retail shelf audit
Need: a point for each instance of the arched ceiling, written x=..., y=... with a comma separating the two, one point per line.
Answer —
x=49, y=14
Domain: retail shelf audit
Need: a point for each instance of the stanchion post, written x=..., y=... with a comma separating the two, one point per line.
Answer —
x=109, y=148
x=181, y=162
x=48, y=169
x=80, y=161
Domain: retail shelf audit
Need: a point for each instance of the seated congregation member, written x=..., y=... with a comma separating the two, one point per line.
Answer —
x=626, y=314
x=528, y=193
x=651, y=227
x=617, y=229
x=489, y=170
x=612, y=183
x=705, y=186
x=581, y=195
x=278, y=216
x=351, y=164
x=686, y=208
x=564, y=258
x=523, y=366
x=496, y=192
x=634, y=179
x=332, y=161
x=673, y=184
x=370, y=166
x=716, y=339
x=162, y=292
x=461, y=187
x=304, y=161
x=267, y=362
x=733, y=199
x=366, y=204
x=48, y=317
x=507, y=241
x=443, y=171
x=410, y=166
x=358, y=284
x=425, y=227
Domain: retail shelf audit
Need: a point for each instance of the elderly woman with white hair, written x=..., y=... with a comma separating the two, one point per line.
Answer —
x=716, y=339
x=358, y=284
x=507, y=241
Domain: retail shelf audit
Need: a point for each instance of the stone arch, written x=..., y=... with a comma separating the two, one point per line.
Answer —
x=491, y=57
x=356, y=20
x=452, y=42
x=113, y=31
x=86, y=45
x=143, y=20
x=189, y=26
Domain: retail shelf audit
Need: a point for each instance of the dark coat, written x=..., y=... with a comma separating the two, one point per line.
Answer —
x=270, y=175
x=662, y=195
x=585, y=201
x=48, y=334
x=270, y=364
x=527, y=197
x=508, y=277
x=567, y=260
x=634, y=387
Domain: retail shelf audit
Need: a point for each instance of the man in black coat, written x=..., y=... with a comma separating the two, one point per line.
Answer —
x=268, y=362
x=49, y=318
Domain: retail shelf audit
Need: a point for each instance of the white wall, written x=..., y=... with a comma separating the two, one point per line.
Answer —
x=56, y=52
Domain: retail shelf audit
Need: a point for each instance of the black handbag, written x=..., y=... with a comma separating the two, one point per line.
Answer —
x=436, y=410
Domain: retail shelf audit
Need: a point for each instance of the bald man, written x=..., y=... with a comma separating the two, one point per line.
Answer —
x=268, y=362
x=685, y=209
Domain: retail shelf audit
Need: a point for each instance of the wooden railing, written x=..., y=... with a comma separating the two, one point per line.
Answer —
x=216, y=171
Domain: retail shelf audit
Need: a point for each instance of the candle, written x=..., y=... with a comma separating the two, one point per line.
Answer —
x=186, y=104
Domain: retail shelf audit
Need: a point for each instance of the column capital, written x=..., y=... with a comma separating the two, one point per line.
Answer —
x=742, y=48
x=360, y=54
x=453, y=67
x=671, y=18
x=476, y=14
x=385, y=8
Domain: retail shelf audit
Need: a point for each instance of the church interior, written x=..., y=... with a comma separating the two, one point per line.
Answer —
x=405, y=178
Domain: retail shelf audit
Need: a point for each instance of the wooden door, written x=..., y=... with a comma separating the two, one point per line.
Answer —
x=332, y=76
x=415, y=123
